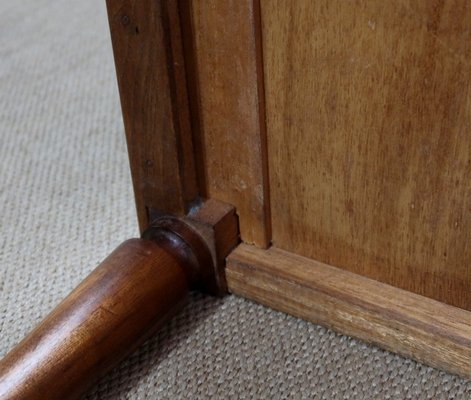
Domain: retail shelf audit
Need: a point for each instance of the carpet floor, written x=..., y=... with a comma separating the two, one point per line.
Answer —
x=66, y=202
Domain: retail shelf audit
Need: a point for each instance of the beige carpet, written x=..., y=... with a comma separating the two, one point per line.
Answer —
x=66, y=202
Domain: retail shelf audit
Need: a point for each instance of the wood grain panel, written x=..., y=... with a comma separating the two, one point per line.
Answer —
x=229, y=85
x=150, y=65
x=414, y=326
x=369, y=137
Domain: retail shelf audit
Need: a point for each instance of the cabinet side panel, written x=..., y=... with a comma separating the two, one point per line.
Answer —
x=369, y=138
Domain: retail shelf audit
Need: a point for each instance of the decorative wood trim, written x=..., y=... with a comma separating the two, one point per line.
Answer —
x=227, y=97
x=403, y=322
x=150, y=66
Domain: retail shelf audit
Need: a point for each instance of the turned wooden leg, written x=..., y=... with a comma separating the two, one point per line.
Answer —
x=120, y=304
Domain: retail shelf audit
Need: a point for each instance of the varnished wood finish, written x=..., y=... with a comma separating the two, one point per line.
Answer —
x=415, y=326
x=126, y=299
x=149, y=60
x=106, y=317
x=227, y=80
x=218, y=225
x=369, y=138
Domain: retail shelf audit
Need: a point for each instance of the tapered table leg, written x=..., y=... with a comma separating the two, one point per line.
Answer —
x=107, y=316
x=120, y=304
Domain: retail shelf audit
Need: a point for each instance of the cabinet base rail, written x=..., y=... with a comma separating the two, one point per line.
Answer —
x=406, y=323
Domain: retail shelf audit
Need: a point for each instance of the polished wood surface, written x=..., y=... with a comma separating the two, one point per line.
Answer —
x=126, y=299
x=227, y=82
x=150, y=66
x=218, y=225
x=369, y=138
x=414, y=326
x=339, y=130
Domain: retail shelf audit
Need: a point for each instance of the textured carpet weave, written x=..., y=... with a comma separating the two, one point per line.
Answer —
x=66, y=202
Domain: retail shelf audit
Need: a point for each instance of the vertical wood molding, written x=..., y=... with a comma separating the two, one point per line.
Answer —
x=228, y=84
x=150, y=66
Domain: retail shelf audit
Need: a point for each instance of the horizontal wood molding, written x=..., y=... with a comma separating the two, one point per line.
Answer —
x=403, y=322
